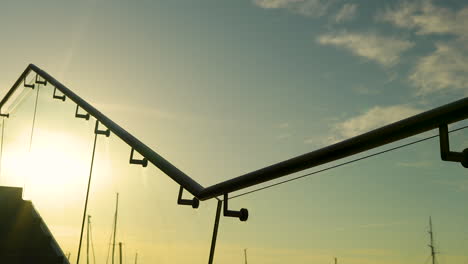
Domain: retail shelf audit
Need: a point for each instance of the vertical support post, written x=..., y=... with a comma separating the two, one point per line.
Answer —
x=444, y=142
x=215, y=231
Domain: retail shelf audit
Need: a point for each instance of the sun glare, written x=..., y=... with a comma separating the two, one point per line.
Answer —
x=54, y=171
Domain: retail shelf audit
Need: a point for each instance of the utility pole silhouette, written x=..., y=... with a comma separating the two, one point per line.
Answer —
x=431, y=246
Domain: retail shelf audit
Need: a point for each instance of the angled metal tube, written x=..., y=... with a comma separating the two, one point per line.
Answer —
x=14, y=87
x=408, y=127
x=170, y=170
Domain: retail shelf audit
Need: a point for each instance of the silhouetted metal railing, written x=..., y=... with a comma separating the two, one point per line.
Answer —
x=436, y=118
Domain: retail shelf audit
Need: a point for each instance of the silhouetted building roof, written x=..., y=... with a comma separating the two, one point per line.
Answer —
x=24, y=237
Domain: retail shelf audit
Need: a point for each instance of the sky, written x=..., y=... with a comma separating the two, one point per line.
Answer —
x=222, y=88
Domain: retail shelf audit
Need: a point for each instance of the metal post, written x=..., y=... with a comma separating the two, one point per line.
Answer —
x=215, y=231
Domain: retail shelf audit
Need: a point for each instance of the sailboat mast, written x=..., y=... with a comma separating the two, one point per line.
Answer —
x=120, y=250
x=245, y=255
x=87, y=240
x=431, y=246
x=115, y=226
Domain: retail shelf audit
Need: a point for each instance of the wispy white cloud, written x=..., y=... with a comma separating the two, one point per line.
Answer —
x=444, y=69
x=311, y=8
x=416, y=164
x=382, y=225
x=276, y=3
x=285, y=131
x=346, y=13
x=362, y=89
x=374, y=225
x=381, y=49
x=373, y=118
x=427, y=18
x=283, y=125
x=283, y=136
x=459, y=185
x=313, y=141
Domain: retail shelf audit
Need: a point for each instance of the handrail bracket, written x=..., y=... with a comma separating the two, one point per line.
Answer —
x=143, y=162
x=28, y=85
x=194, y=202
x=101, y=132
x=78, y=115
x=242, y=214
x=445, y=153
x=39, y=81
x=60, y=97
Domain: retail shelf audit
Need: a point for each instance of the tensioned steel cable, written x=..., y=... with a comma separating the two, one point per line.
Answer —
x=344, y=163
x=32, y=130
x=86, y=200
x=34, y=118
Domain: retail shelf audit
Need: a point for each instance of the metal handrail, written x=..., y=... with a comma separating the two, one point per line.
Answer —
x=405, y=128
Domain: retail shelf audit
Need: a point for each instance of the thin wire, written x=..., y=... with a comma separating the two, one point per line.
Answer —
x=34, y=118
x=86, y=200
x=344, y=163
x=32, y=131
